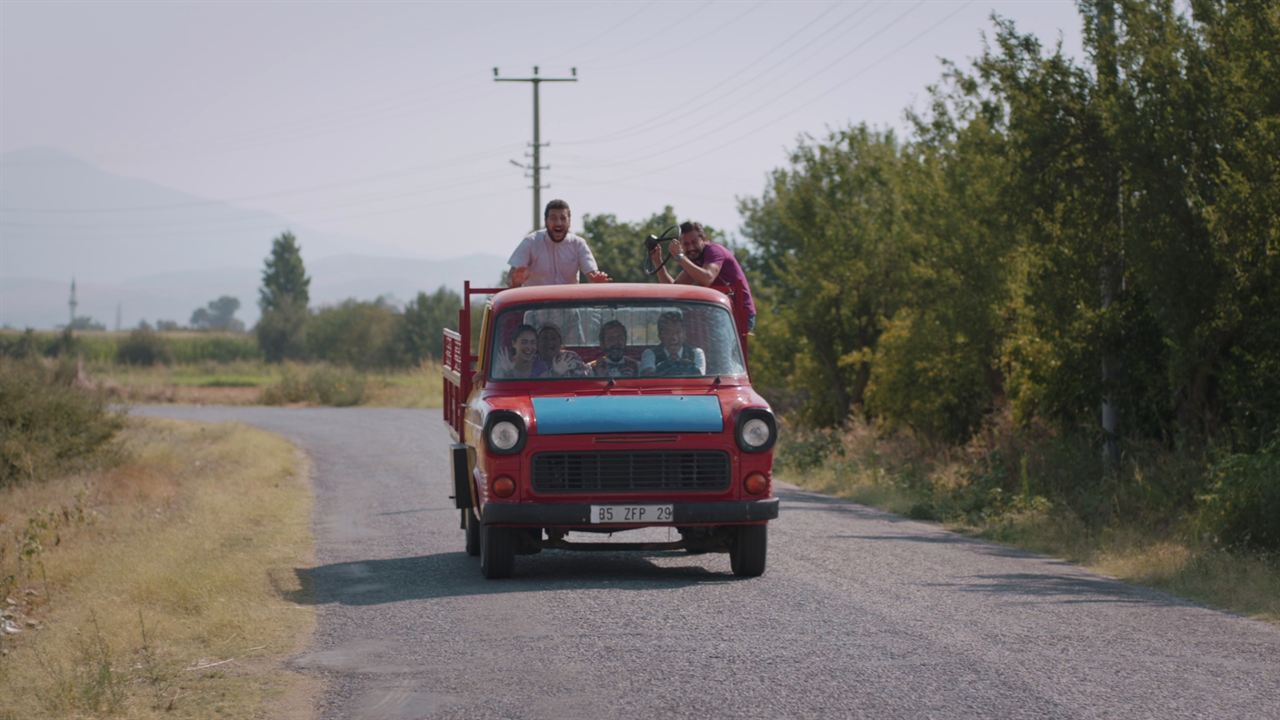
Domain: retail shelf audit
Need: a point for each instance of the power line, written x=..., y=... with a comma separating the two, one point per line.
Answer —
x=654, y=150
x=603, y=33
x=802, y=106
x=666, y=118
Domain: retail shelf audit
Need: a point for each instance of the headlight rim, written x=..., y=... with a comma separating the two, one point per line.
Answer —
x=500, y=416
x=754, y=413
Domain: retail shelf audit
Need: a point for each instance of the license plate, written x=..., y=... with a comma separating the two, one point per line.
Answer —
x=630, y=513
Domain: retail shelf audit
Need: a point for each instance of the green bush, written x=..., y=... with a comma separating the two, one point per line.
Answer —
x=144, y=346
x=354, y=333
x=340, y=387
x=804, y=448
x=47, y=424
x=322, y=384
x=1242, y=508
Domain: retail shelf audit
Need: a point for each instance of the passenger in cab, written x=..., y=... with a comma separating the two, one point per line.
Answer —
x=520, y=358
x=672, y=357
x=559, y=363
x=613, y=361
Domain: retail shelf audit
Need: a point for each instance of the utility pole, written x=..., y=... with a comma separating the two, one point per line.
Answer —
x=72, y=303
x=1112, y=270
x=537, y=167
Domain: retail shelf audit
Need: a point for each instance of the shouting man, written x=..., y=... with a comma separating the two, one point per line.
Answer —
x=553, y=255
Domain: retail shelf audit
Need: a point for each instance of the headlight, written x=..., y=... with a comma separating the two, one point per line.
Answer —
x=504, y=435
x=504, y=432
x=756, y=430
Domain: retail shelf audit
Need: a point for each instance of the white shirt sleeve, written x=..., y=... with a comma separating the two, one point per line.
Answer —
x=700, y=359
x=586, y=261
x=522, y=257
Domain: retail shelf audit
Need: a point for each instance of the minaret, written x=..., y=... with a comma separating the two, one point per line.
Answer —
x=118, y=308
x=73, y=303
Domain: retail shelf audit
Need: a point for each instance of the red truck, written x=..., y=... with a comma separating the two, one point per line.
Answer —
x=600, y=408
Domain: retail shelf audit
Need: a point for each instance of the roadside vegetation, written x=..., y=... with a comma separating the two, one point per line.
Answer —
x=154, y=584
x=948, y=316
x=1156, y=522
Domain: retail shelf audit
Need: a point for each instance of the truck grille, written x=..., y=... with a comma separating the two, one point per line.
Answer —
x=652, y=471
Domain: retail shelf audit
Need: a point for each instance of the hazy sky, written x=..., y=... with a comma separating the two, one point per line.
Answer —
x=381, y=122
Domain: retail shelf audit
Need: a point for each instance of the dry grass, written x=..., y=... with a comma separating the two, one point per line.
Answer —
x=158, y=587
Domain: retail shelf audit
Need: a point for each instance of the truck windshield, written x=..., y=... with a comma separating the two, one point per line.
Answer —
x=615, y=340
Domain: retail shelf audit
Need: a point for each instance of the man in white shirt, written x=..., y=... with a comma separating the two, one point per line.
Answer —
x=553, y=255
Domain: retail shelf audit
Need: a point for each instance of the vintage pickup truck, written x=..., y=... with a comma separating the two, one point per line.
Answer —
x=601, y=408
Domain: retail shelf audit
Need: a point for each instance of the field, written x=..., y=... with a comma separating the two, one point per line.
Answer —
x=248, y=382
x=222, y=368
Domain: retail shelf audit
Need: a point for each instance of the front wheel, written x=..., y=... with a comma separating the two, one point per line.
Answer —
x=497, y=552
x=748, y=551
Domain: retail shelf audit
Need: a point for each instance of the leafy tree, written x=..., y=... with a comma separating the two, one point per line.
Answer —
x=829, y=265
x=619, y=246
x=84, y=322
x=354, y=333
x=425, y=318
x=283, y=298
x=218, y=315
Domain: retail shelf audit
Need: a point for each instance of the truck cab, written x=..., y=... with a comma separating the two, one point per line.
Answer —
x=585, y=410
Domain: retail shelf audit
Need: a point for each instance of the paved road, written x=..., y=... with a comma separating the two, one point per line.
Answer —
x=860, y=614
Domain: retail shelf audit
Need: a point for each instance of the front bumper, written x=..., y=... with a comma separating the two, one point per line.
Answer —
x=683, y=513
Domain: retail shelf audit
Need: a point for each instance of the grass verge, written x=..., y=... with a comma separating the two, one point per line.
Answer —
x=954, y=486
x=155, y=589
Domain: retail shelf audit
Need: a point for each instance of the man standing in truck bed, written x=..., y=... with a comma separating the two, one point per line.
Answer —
x=709, y=264
x=553, y=255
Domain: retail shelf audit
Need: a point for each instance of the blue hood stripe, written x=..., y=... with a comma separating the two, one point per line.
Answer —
x=627, y=413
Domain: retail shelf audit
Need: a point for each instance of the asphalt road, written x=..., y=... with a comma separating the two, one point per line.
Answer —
x=860, y=613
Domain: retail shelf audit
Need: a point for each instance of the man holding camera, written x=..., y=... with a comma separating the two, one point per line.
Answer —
x=709, y=264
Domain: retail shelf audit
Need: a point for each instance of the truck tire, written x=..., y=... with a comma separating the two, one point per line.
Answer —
x=472, y=526
x=748, y=551
x=497, y=552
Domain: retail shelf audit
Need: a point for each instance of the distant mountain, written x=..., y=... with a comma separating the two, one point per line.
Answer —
x=156, y=253
x=60, y=216
x=42, y=303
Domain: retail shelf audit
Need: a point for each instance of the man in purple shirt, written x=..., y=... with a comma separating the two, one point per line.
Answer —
x=709, y=265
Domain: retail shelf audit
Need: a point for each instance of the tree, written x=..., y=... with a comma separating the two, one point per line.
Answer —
x=829, y=267
x=283, y=298
x=218, y=315
x=356, y=333
x=425, y=318
x=84, y=322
